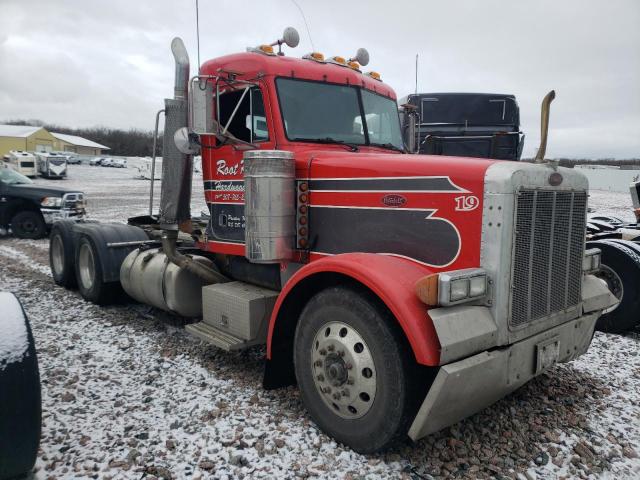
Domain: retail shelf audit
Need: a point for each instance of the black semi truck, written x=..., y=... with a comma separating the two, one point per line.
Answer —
x=483, y=125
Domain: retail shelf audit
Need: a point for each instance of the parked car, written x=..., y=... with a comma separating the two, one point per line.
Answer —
x=96, y=161
x=29, y=209
x=106, y=162
x=119, y=163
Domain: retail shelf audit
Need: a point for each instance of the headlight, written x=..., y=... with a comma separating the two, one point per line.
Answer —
x=591, y=260
x=51, y=202
x=452, y=288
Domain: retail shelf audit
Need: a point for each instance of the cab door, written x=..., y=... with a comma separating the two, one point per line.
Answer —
x=244, y=114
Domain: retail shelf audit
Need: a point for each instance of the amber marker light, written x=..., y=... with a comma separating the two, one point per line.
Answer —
x=303, y=209
x=354, y=65
x=427, y=289
x=303, y=198
x=315, y=56
x=303, y=220
x=304, y=187
x=374, y=75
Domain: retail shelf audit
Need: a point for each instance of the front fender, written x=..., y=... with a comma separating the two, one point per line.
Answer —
x=392, y=279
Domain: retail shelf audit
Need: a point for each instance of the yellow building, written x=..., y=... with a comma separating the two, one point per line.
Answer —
x=25, y=137
x=79, y=145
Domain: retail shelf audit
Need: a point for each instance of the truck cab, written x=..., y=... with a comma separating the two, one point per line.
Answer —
x=400, y=292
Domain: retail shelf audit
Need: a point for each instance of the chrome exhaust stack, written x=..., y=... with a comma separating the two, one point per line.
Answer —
x=177, y=167
x=544, y=126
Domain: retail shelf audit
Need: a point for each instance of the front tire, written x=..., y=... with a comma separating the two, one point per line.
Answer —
x=28, y=224
x=355, y=370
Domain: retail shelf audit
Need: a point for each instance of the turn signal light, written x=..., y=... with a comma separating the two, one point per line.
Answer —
x=427, y=289
x=338, y=61
x=354, y=65
x=303, y=198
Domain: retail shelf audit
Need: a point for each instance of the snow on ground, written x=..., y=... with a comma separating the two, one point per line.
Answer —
x=127, y=393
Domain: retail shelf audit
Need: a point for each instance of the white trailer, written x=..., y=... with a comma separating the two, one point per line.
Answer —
x=51, y=165
x=23, y=162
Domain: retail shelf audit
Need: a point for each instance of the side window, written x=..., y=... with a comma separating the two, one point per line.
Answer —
x=242, y=113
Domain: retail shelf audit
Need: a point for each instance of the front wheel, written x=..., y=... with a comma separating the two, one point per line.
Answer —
x=28, y=224
x=355, y=370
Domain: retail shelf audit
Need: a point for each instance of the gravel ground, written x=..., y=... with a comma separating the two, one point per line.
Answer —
x=128, y=394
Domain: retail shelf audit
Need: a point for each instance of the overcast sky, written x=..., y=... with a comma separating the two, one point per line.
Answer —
x=91, y=62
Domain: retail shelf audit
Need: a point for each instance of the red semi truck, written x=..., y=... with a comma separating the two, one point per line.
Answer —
x=400, y=292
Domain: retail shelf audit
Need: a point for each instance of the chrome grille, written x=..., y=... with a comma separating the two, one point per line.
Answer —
x=548, y=251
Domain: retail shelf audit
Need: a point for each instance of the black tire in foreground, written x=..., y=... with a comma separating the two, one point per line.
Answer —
x=621, y=270
x=62, y=254
x=28, y=224
x=355, y=370
x=89, y=276
x=20, y=400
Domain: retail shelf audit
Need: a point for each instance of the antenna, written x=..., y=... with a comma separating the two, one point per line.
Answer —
x=305, y=24
x=198, y=34
x=416, y=74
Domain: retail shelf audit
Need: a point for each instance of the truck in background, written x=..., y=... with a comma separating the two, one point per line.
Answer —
x=23, y=162
x=51, y=165
x=400, y=292
x=481, y=125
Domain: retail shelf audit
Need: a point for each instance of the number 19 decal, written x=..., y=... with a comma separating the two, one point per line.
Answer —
x=466, y=203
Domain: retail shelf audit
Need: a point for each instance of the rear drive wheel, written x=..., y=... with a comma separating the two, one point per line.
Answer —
x=28, y=224
x=621, y=271
x=355, y=370
x=88, y=269
x=62, y=255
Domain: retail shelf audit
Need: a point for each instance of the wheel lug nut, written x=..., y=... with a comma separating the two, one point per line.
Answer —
x=341, y=353
x=323, y=351
x=331, y=348
x=345, y=392
x=318, y=363
x=321, y=378
x=336, y=396
x=326, y=389
x=350, y=381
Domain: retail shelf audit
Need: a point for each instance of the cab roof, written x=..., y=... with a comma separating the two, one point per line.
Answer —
x=250, y=65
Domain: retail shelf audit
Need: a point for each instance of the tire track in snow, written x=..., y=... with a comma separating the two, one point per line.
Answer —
x=24, y=259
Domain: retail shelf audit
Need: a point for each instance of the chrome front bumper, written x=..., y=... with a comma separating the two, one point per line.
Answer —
x=50, y=215
x=482, y=373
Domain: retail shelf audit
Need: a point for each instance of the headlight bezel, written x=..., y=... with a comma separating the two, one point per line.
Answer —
x=452, y=285
x=591, y=261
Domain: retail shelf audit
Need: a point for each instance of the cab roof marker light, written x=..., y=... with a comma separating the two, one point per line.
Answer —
x=262, y=49
x=374, y=75
x=315, y=56
x=337, y=60
x=354, y=65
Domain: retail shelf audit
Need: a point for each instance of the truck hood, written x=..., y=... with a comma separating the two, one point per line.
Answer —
x=36, y=192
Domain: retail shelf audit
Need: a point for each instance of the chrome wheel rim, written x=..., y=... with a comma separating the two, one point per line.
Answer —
x=614, y=283
x=86, y=266
x=57, y=254
x=343, y=370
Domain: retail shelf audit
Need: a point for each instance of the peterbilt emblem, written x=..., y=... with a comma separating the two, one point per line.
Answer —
x=394, y=200
x=555, y=179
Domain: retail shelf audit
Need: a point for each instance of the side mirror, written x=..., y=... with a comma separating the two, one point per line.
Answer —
x=291, y=37
x=186, y=142
x=362, y=57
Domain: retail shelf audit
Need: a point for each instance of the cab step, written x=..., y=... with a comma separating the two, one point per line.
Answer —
x=217, y=337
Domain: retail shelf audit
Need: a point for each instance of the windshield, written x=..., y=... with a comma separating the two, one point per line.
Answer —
x=11, y=177
x=329, y=112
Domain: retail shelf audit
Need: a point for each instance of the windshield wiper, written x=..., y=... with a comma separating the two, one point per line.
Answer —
x=328, y=140
x=389, y=146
